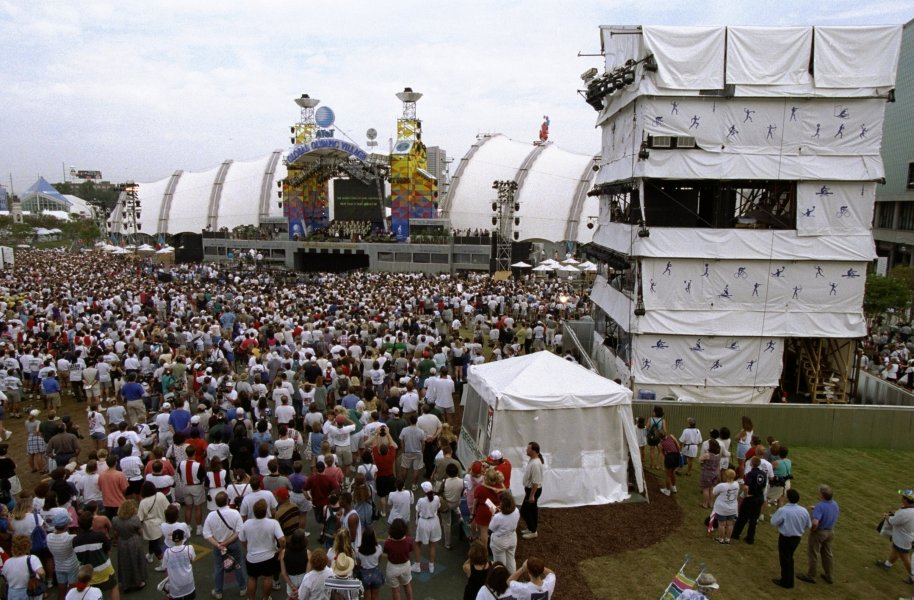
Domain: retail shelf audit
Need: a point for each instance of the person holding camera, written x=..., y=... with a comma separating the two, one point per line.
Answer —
x=901, y=523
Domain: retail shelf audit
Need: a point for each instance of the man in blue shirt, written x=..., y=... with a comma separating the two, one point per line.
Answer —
x=179, y=419
x=132, y=392
x=824, y=517
x=791, y=520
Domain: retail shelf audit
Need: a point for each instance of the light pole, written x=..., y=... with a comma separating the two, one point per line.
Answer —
x=132, y=210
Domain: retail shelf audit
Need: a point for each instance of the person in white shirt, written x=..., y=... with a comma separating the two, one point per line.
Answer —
x=221, y=529
x=400, y=502
x=540, y=582
x=178, y=561
x=441, y=394
x=250, y=499
x=502, y=532
x=690, y=441
x=263, y=539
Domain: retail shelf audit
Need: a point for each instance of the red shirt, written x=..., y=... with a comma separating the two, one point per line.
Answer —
x=483, y=513
x=320, y=486
x=385, y=463
x=504, y=467
x=398, y=551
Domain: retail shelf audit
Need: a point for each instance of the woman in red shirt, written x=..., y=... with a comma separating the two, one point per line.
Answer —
x=398, y=548
x=493, y=485
x=670, y=448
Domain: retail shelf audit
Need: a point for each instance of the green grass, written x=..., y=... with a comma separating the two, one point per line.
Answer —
x=865, y=484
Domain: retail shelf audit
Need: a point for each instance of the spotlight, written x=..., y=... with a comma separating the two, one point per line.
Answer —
x=279, y=184
x=495, y=207
x=639, y=309
x=494, y=220
x=644, y=153
x=590, y=225
x=280, y=204
x=139, y=225
x=650, y=64
x=644, y=232
x=516, y=235
x=279, y=194
x=516, y=220
x=628, y=77
x=292, y=129
x=516, y=206
x=588, y=74
x=292, y=140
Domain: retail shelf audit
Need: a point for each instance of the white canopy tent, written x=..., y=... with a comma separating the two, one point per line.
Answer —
x=586, y=431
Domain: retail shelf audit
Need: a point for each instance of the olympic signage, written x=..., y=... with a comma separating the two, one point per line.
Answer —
x=326, y=143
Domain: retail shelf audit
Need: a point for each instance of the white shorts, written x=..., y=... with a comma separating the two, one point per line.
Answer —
x=398, y=575
x=194, y=495
x=301, y=501
x=428, y=530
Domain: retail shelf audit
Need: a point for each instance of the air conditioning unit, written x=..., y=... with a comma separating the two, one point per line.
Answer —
x=661, y=141
x=685, y=142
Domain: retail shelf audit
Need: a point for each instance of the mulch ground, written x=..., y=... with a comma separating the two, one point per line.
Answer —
x=569, y=536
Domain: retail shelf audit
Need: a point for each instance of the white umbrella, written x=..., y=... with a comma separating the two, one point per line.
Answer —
x=569, y=269
x=550, y=261
x=589, y=268
x=570, y=261
x=521, y=265
x=586, y=264
x=544, y=267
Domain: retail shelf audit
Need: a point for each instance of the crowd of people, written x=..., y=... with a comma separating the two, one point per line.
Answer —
x=226, y=408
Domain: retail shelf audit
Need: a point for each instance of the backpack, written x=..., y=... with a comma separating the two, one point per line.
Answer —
x=653, y=435
x=39, y=537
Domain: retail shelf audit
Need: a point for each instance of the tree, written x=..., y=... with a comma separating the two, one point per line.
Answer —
x=883, y=293
x=905, y=274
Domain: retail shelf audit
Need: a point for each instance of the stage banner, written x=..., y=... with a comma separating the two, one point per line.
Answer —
x=694, y=360
x=835, y=207
x=752, y=285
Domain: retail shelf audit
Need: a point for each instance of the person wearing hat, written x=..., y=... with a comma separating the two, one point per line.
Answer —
x=704, y=585
x=60, y=545
x=901, y=523
x=501, y=464
x=342, y=582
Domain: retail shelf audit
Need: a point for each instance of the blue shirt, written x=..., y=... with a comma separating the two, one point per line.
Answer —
x=132, y=391
x=350, y=401
x=791, y=520
x=826, y=513
x=50, y=385
x=179, y=419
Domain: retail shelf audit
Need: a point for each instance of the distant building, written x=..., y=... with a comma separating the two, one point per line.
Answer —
x=4, y=199
x=437, y=166
x=893, y=226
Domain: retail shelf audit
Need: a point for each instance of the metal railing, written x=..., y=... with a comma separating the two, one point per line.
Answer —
x=877, y=391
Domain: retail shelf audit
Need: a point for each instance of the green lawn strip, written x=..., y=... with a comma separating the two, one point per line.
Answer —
x=865, y=483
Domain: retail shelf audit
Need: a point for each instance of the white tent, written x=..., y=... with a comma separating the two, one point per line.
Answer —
x=585, y=431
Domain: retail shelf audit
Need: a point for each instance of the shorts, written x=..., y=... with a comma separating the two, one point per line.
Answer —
x=66, y=578
x=108, y=584
x=412, y=460
x=52, y=400
x=301, y=501
x=386, y=485
x=97, y=435
x=725, y=518
x=448, y=410
x=194, y=495
x=264, y=568
x=372, y=578
x=134, y=486
x=774, y=493
x=343, y=455
x=671, y=460
x=397, y=575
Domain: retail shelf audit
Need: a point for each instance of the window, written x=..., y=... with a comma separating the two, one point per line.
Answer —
x=886, y=215
x=911, y=176
x=440, y=259
x=906, y=216
x=421, y=257
x=386, y=256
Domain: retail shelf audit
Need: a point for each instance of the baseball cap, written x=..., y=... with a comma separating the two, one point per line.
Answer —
x=476, y=468
x=34, y=412
x=426, y=486
x=433, y=370
x=395, y=411
x=907, y=495
x=195, y=419
x=281, y=494
x=166, y=406
x=496, y=455
x=61, y=520
x=239, y=412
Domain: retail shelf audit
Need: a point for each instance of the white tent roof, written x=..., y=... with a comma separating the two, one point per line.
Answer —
x=539, y=381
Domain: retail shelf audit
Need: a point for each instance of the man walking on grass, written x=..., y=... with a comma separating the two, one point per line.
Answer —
x=821, y=536
x=791, y=520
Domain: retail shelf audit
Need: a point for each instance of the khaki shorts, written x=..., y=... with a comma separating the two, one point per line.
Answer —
x=194, y=495
x=412, y=460
x=343, y=455
x=398, y=575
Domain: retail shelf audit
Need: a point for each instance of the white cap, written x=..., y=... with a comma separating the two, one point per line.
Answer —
x=394, y=410
x=34, y=412
x=195, y=419
x=496, y=455
x=166, y=406
x=427, y=486
x=239, y=412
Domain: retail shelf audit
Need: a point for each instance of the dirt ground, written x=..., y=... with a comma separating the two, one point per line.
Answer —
x=569, y=536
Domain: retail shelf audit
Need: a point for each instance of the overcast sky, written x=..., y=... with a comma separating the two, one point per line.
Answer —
x=138, y=90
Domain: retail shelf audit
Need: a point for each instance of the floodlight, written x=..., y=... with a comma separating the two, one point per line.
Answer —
x=643, y=154
x=495, y=207
x=589, y=224
x=588, y=74
x=517, y=206
x=639, y=309
x=628, y=77
x=279, y=194
x=494, y=220
x=517, y=220
x=516, y=236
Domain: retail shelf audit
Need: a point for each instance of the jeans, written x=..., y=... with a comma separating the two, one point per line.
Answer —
x=234, y=549
x=529, y=511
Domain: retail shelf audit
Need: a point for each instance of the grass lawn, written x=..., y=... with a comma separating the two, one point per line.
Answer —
x=865, y=483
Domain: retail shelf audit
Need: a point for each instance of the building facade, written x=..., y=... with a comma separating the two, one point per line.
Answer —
x=893, y=226
x=737, y=183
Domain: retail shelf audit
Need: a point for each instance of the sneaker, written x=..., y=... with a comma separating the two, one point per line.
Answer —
x=276, y=584
x=806, y=578
x=149, y=558
x=525, y=531
x=761, y=518
x=160, y=568
x=431, y=567
x=665, y=491
x=531, y=535
x=881, y=563
x=416, y=568
x=200, y=530
x=673, y=489
x=216, y=595
x=7, y=435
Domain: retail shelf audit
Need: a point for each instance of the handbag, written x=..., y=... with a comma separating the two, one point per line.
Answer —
x=444, y=506
x=228, y=561
x=37, y=586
